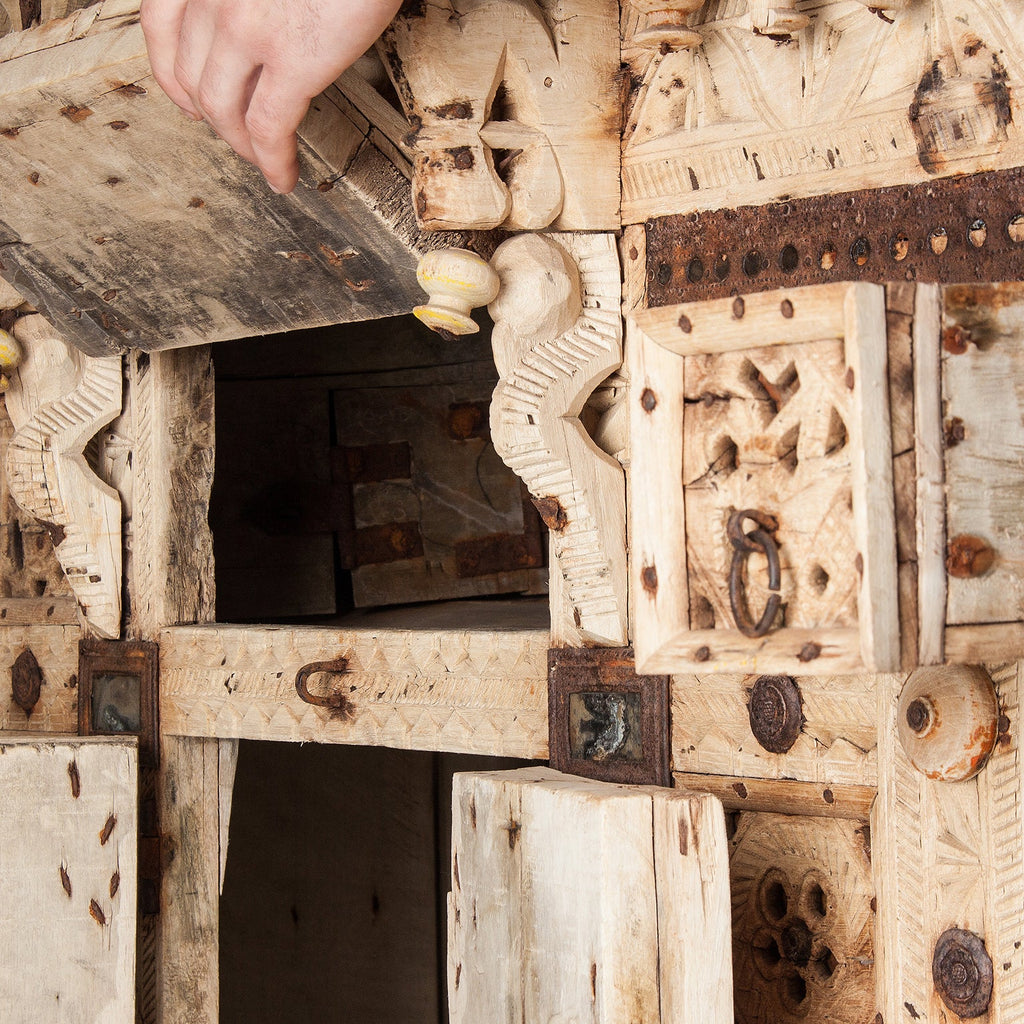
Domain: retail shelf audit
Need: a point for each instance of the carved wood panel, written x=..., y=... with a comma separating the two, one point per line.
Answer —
x=803, y=922
x=774, y=403
x=515, y=110
x=853, y=100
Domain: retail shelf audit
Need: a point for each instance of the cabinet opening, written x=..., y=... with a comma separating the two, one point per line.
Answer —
x=356, y=482
x=338, y=869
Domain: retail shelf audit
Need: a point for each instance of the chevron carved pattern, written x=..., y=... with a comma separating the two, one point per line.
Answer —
x=59, y=399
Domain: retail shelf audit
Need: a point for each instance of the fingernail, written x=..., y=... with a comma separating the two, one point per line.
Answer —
x=274, y=188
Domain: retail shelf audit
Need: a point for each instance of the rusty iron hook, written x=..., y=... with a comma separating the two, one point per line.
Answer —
x=758, y=539
x=338, y=703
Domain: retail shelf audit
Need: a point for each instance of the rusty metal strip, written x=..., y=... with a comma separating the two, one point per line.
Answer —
x=602, y=682
x=949, y=230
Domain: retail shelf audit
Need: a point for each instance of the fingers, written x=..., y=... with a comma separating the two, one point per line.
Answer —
x=275, y=112
x=161, y=25
x=224, y=94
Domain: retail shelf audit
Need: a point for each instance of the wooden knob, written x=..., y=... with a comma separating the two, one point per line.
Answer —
x=11, y=354
x=457, y=281
x=666, y=24
x=776, y=17
x=948, y=721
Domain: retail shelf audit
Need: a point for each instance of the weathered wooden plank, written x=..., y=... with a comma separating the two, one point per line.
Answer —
x=527, y=942
x=55, y=648
x=68, y=854
x=473, y=691
x=108, y=243
x=711, y=731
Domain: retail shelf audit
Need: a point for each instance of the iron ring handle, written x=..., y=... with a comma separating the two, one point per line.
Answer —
x=338, y=703
x=757, y=539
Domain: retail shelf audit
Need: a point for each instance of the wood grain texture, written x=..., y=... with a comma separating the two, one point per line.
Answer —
x=525, y=944
x=983, y=411
x=548, y=370
x=70, y=932
x=851, y=101
x=59, y=398
x=107, y=243
x=187, y=967
x=711, y=731
x=460, y=690
x=793, y=427
x=168, y=425
x=941, y=858
x=543, y=155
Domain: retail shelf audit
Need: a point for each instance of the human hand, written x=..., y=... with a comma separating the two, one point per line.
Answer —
x=250, y=67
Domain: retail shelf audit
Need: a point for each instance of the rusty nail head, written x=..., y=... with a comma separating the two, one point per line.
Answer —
x=649, y=400
x=919, y=715
x=684, y=323
x=809, y=651
x=968, y=557
x=956, y=340
x=775, y=707
x=649, y=578
x=26, y=680
x=962, y=972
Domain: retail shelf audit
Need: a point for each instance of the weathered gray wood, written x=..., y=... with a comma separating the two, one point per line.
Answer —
x=68, y=848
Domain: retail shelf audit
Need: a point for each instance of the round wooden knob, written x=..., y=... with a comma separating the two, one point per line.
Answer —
x=11, y=352
x=948, y=721
x=457, y=281
x=666, y=24
x=776, y=17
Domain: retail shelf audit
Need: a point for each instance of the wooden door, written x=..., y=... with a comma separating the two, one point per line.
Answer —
x=68, y=855
x=580, y=901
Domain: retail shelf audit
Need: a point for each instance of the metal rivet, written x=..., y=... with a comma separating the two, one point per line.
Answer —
x=962, y=972
x=739, y=307
x=684, y=323
x=648, y=400
x=977, y=233
x=938, y=240
x=776, y=715
x=649, y=578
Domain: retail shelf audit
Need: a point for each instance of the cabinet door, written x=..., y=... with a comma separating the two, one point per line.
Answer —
x=68, y=854
x=584, y=901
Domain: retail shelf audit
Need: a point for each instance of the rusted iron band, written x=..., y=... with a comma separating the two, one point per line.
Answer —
x=948, y=230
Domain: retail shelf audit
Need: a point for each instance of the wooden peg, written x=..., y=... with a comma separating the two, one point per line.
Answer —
x=666, y=24
x=457, y=281
x=776, y=17
x=948, y=721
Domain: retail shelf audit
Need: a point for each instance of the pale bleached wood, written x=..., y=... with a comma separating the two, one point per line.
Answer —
x=658, y=587
x=557, y=64
x=941, y=858
x=782, y=796
x=983, y=396
x=850, y=102
x=550, y=360
x=854, y=389
x=747, y=321
x=526, y=940
x=633, y=258
x=931, y=500
x=59, y=398
x=711, y=730
x=468, y=691
x=187, y=967
x=972, y=645
x=55, y=648
x=873, y=506
x=67, y=894
x=227, y=765
x=170, y=420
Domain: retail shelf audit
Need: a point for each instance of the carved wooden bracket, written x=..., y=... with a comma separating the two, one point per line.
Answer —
x=517, y=124
x=58, y=400
x=557, y=334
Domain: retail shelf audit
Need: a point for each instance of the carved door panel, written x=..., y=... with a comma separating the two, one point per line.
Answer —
x=68, y=855
x=575, y=900
x=761, y=484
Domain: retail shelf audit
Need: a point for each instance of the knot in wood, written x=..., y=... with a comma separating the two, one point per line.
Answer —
x=962, y=972
x=776, y=712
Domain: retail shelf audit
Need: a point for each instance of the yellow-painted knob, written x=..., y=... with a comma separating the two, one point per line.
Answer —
x=457, y=281
x=11, y=352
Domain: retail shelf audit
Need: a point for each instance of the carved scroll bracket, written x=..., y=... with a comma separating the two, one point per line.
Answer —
x=557, y=334
x=59, y=398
